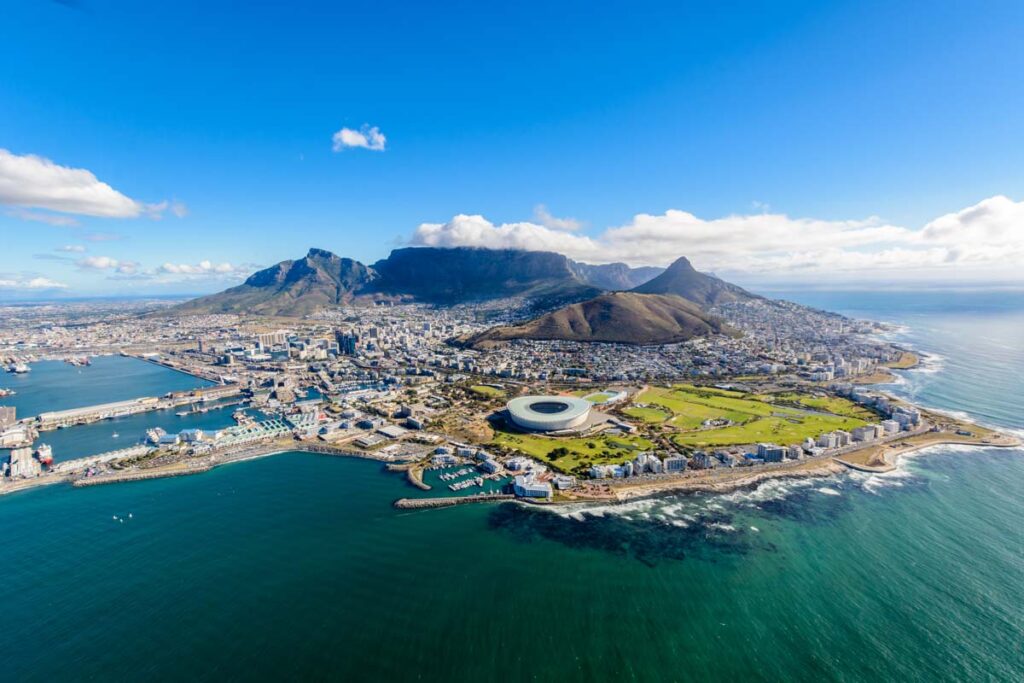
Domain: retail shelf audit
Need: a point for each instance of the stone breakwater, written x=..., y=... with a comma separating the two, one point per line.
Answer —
x=137, y=476
x=427, y=503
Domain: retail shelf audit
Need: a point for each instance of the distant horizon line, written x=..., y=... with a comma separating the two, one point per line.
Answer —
x=921, y=288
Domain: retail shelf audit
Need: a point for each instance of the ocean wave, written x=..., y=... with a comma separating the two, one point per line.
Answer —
x=931, y=363
x=828, y=491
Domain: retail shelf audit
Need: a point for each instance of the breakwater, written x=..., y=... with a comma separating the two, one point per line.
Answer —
x=138, y=476
x=427, y=503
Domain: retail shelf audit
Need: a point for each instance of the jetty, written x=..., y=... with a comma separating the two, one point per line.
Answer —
x=428, y=503
x=138, y=475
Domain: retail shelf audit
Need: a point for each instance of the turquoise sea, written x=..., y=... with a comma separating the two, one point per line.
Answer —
x=55, y=385
x=296, y=566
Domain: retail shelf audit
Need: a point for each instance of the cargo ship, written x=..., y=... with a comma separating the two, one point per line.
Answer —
x=45, y=454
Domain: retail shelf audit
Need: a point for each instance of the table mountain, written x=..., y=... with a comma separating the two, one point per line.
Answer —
x=441, y=276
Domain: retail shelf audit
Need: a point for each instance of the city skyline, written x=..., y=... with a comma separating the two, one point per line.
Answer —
x=769, y=145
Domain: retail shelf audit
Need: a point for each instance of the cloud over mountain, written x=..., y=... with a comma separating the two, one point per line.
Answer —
x=986, y=239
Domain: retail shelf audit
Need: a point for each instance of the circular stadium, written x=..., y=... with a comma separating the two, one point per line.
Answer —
x=548, y=413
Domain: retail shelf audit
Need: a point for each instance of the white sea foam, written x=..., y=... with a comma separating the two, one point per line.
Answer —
x=722, y=527
x=930, y=364
x=829, y=491
x=754, y=528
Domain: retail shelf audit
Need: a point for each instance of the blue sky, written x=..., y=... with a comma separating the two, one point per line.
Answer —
x=779, y=141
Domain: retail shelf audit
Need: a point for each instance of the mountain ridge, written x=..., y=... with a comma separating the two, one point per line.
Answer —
x=444, y=276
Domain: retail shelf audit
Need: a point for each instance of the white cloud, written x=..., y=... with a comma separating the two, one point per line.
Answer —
x=71, y=249
x=32, y=181
x=30, y=283
x=477, y=231
x=204, y=268
x=107, y=263
x=168, y=272
x=367, y=137
x=544, y=217
x=48, y=218
x=984, y=240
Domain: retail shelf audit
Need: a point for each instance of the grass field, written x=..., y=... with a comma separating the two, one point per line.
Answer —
x=829, y=404
x=647, y=414
x=579, y=452
x=778, y=430
x=598, y=398
x=755, y=418
x=486, y=391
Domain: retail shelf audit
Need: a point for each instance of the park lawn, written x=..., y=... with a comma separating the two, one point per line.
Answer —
x=598, y=398
x=689, y=411
x=651, y=415
x=774, y=429
x=489, y=392
x=749, y=407
x=830, y=404
x=607, y=450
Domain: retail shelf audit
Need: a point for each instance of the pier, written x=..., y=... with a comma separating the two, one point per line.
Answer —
x=105, y=411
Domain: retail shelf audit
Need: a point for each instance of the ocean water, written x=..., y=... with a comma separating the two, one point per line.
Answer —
x=296, y=566
x=55, y=385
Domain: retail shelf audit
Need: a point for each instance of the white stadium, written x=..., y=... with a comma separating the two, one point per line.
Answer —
x=548, y=413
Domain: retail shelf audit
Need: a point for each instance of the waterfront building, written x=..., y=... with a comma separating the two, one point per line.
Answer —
x=769, y=452
x=865, y=433
x=829, y=440
x=564, y=481
x=528, y=486
x=676, y=464
x=23, y=465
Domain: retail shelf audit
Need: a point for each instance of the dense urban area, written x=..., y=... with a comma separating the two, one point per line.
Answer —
x=783, y=396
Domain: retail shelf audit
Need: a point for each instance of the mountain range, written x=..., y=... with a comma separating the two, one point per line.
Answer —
x=611, y=302
x=422, y=274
